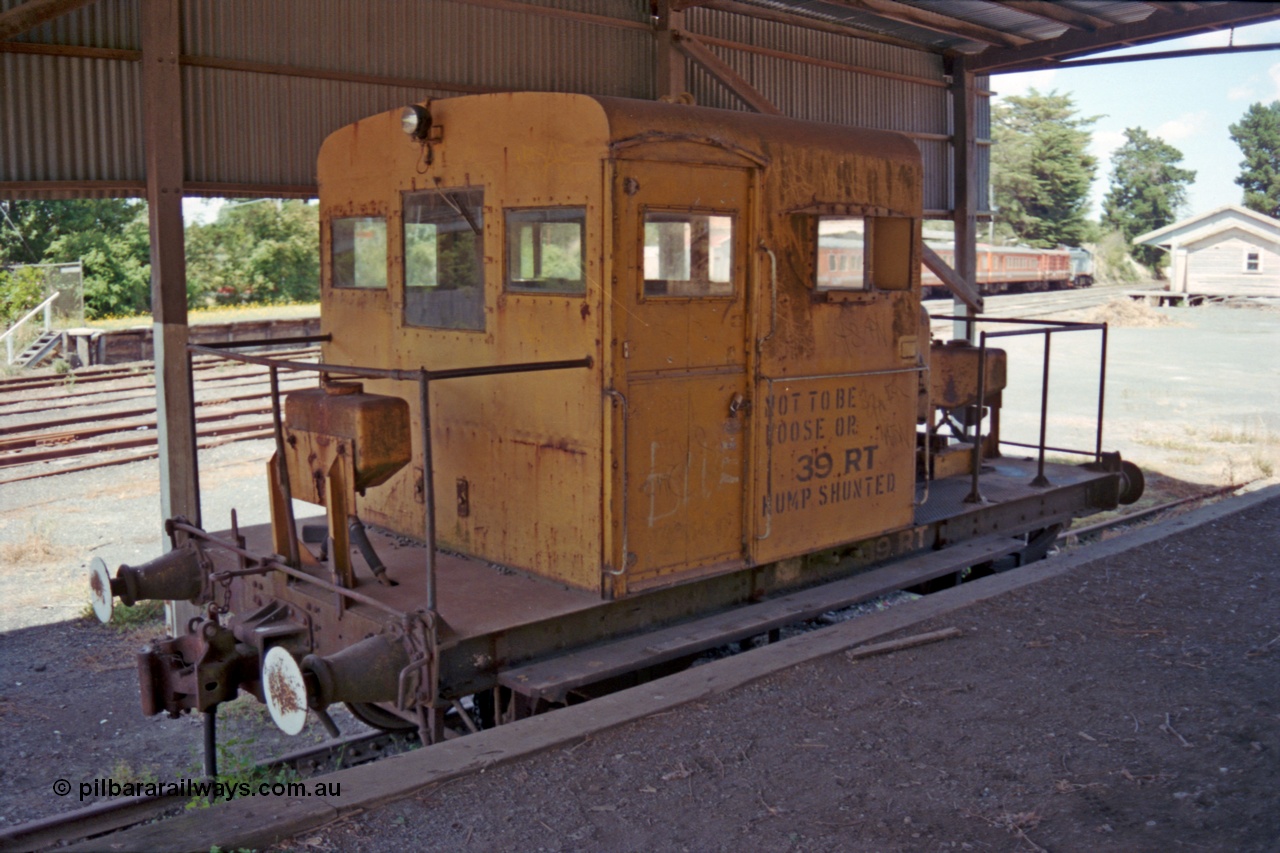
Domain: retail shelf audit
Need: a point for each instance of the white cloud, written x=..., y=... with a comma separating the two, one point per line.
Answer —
x=1021, y=82
x=1184, y=126
x=1274, y=74
x=1243, y=92
x=1104, y=142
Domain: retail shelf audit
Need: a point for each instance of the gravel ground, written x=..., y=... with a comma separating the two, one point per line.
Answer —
x=1129, y=705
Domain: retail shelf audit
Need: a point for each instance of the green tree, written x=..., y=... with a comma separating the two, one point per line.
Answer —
x=1148, y=189
x=110, y=237
x=260, y=251
x=1040, y=170
x=1258, y=135
x=20, y=291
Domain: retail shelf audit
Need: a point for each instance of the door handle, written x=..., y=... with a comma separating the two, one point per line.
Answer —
x=739, y=403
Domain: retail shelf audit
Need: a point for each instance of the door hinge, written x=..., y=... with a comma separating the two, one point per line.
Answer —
x=626, y=349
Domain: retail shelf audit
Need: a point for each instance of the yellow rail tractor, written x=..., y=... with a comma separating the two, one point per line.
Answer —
x=600, y=380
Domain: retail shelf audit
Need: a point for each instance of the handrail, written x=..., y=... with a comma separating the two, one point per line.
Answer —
x=1047, y=328
x=423, y=377
x=43, y=305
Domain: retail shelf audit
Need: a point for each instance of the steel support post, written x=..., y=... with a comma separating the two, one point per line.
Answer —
x=670, y=62
x=160, y=22
x=964, y=173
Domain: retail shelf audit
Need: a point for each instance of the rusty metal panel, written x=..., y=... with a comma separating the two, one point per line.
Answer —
x=685, y=364
x=836, y=460
x=430, y=42
x=530, y=447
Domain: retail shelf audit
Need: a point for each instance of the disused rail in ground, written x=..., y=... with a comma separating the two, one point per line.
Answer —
x=103, y=424
x=112, y=815
x=79, y=384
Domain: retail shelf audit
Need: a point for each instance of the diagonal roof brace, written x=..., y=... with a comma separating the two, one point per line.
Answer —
x=689, y=45
x=963, y=290
x=33, y=13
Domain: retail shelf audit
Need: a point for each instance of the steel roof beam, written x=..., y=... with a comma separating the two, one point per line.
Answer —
x=791, y=19
x=33, y=13
x=1058, y=13
x=1156, y=27
x=937, y=22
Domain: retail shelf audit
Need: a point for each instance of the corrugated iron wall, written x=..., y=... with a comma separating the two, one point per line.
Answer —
x=263, y=84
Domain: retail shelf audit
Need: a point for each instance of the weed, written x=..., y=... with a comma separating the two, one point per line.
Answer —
x=237, y=767
x=37, y=546
x=1264, y=464
x=223, y=314
x=125, y=773
x=125, y=618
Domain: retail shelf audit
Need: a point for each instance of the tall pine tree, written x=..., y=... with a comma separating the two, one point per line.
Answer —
x=1148, y=189
x=1258, y=135
x=1040, y=169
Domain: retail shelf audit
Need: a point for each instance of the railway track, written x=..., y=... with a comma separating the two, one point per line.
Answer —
x=115, y=814
x=1033, y=305
x=52, y=424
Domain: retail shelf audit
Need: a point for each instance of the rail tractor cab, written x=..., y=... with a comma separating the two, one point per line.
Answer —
x=592, y=367
x=743, y=285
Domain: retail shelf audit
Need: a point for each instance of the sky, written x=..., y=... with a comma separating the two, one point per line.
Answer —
x=1188, y=102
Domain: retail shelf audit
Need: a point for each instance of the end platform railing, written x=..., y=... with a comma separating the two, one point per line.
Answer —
x=1047, y=329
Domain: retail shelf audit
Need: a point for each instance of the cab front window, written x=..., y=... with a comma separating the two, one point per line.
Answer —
x=444, y=259
x=359, y=252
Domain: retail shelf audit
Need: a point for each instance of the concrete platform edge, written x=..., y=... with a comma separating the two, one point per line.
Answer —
x=254, y=823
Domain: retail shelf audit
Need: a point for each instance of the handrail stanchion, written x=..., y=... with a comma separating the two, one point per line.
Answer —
x=975, y=496
x=282, y=466
x=1040, y=481
x=428, y=486
x=1102, y=389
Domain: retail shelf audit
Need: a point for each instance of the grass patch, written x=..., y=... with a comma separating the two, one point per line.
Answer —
x=35, y=546
x=126, y=617
x=220, y=314
x=237, y=767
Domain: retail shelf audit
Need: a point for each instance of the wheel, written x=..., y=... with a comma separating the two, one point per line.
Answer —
x=380, y=718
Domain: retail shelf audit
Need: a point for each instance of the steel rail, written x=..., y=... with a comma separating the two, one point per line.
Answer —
x=22, y=441
x=141, y=381
x=1132, y=517
x=27, y=457
x=143, y=411
x=112, y=815
x=110, y=398
x=101, y=461
x=91, y=376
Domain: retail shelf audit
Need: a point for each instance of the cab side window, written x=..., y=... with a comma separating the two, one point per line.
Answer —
x=863, y=253
x=444, y=259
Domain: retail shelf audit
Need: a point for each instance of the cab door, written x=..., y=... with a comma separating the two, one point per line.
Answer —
x=681, y=260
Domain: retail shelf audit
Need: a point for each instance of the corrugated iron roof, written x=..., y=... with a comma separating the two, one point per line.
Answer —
x=264, y=83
